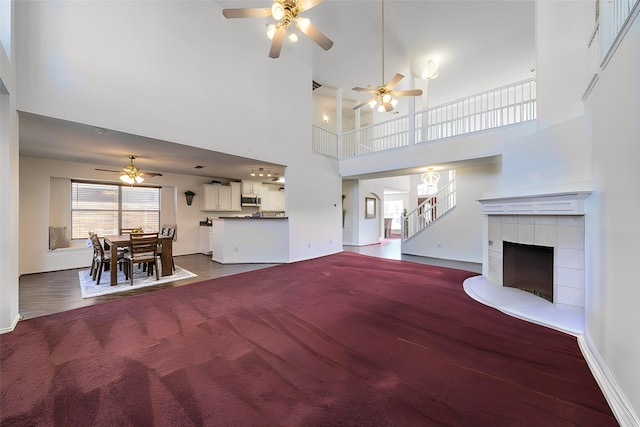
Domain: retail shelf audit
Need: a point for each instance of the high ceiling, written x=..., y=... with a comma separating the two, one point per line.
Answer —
x=479, y=45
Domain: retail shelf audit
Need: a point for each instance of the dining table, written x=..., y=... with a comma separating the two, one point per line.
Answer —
x=123, y=241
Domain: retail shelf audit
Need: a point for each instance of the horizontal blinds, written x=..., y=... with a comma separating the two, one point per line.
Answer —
x=106, y=208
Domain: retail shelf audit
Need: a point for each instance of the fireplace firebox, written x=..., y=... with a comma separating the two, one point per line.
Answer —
x=528, y=267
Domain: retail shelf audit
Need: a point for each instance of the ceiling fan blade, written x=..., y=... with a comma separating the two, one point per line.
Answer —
x=246, y=13
x=277, y=42
x=152, y=174
x=408, y=92
x=312, y=32
x=308, y=4
x=364, y=89
x=388, y=107
x=394, y=81
x=364, y=103
x=107, y=170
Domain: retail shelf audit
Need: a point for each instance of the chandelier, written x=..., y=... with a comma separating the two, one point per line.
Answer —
x=430, y=181
x=131, y=173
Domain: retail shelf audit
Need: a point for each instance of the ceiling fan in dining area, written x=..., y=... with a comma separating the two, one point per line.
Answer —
x=131, y=174
x=284, y=12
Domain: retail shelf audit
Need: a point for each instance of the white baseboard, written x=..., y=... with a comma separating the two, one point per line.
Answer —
x=12, y=327
x=618, y=402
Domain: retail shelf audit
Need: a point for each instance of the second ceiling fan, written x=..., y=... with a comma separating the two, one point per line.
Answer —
x=384, y=95
x=284, y=12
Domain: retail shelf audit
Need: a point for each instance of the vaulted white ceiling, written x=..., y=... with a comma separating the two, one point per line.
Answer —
x=479, y=44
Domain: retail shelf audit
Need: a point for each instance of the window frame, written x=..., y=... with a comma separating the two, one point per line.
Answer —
x=119, y=211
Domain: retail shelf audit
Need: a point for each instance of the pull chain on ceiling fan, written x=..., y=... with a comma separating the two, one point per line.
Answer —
x=284, y=12
x=383, y=95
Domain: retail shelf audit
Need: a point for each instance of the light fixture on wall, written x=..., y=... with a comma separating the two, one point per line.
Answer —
x=260, y=172
x=189, y=196
x=430, y=181
x=430, y=71
x=131, y=173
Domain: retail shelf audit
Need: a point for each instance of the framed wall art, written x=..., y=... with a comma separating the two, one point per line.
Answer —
x=369, y=207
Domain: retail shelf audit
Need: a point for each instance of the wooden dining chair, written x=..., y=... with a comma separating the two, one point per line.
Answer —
x=143, y=249
x=168, y=231
x=101, y=259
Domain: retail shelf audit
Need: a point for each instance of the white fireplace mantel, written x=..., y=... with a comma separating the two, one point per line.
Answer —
x=567, y=203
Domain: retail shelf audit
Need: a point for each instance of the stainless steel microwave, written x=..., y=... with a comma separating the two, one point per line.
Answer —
x=250, y=200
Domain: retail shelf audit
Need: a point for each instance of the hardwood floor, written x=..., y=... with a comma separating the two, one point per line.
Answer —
x=54, y=292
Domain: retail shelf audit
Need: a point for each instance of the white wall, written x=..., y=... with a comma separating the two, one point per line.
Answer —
x=458, y=234
x=371, y=230
x=613, y=294
x=350, y=205
x=9, y=219
x=169, y=62
x=562, y=32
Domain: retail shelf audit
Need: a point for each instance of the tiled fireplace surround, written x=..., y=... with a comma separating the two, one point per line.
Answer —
x=555, y=220
x=565, y=233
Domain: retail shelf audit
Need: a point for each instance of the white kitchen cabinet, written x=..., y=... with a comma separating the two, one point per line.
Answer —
x=206, y=240
x=219, y=197
x=235, y=196
x=252, y=187
x=272, y=198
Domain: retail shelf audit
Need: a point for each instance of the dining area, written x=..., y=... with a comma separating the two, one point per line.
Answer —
x=150, y=251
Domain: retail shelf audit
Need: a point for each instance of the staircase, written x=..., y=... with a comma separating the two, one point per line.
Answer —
x=429, y=211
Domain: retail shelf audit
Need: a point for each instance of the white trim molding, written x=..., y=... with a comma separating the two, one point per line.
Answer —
x=618, y=402
x=13, y=325
x=570, y=203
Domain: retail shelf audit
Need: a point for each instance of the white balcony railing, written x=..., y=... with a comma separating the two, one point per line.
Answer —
x=503, y=106
x=378, y=137
x=324, y=141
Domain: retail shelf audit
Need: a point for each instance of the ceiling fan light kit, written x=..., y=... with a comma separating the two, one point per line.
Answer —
x=131, y=173
x=284, y=12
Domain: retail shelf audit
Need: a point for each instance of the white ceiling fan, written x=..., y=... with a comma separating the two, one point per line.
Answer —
x=131, y=174
x=284, y=12
x=383, y=96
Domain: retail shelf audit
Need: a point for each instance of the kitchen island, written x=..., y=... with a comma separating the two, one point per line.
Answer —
x=250, y=240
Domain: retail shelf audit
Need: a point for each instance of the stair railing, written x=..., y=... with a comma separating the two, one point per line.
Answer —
x=432, y=209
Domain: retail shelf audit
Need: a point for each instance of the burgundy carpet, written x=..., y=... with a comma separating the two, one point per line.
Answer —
x=340, y=340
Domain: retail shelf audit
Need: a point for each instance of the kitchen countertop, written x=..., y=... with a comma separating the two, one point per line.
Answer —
x=251, y=217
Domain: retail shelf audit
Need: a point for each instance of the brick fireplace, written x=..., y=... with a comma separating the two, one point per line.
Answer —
x=548, y=220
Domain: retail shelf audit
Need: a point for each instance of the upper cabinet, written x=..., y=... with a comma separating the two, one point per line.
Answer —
x=252, y=187
x=218, y=197
x=272, y=198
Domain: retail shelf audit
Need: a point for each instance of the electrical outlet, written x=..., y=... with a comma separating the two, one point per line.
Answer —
x=235, y=249
x=308, y=245
x=439, y=245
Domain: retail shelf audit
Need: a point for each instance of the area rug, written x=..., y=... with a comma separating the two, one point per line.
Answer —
x=341, y=340
x=92, y=289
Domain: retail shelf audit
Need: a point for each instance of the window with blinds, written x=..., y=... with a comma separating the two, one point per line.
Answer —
x=105, y=209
